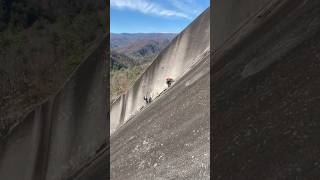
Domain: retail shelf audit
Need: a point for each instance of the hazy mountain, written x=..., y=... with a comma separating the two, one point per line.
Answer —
x=141, y=46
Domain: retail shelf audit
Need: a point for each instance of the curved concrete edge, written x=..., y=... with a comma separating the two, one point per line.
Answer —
x=63, y=132
x=184, y=51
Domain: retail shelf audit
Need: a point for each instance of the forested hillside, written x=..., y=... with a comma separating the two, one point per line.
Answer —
x=41, y=43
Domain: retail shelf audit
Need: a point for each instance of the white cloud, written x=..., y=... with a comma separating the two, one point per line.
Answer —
x=147, y=7
x=187, y=6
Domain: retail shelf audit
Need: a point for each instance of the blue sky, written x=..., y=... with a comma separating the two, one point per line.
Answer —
x=147, y=16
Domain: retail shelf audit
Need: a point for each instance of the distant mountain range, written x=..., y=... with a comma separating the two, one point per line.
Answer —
x=128, y=49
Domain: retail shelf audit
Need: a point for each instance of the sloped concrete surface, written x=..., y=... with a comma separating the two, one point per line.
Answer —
x=169, y=139
x=265, y=100
x=175, y=61
x=63, y=132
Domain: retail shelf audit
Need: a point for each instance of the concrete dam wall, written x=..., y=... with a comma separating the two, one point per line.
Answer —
x=178, y=58
x=65, y=131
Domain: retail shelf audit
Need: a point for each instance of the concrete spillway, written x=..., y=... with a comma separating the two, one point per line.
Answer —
x=183, y=53
x=65, y=131
x=265, y=74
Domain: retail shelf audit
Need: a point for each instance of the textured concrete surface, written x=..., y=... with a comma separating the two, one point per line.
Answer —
x=63, y=132
x=265, y=101
x=177, y=59
x=169, y=139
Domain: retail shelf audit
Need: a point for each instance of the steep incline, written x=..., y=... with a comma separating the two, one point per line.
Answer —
x=266, y=89
x=176, y=60
x=169, y=139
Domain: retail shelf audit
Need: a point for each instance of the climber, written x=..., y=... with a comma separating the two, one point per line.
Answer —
x=146, y=99
x=169, y=81
x=150, y=99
